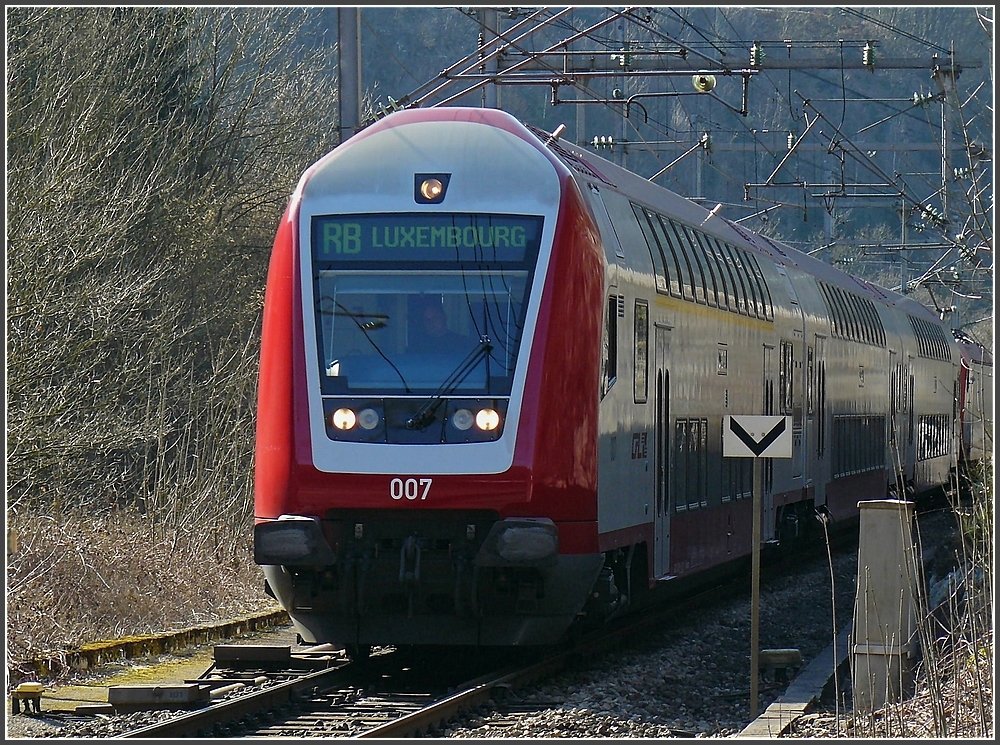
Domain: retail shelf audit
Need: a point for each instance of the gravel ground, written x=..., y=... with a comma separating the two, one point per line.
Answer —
x=689, y=679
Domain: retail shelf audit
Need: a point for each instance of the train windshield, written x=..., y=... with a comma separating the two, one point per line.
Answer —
x=416, y=304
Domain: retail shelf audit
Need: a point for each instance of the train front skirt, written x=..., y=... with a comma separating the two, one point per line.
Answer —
x=364, y=579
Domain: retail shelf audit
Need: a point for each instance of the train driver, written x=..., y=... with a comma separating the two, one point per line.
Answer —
x=432, y=333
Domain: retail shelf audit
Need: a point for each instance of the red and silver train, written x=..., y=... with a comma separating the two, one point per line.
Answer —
x=494, y=374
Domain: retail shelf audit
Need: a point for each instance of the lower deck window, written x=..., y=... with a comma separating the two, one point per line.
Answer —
x=691, y=463
x=858, y=443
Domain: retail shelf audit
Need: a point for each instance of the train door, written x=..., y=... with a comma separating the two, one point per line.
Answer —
x=791, y=395
x=661, y=520
x=767, y=499
x=908, y=440
x=897, y=398
x=822, y=475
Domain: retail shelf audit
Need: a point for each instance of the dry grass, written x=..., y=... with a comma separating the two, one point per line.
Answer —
x=87, y=578
x=957, y=703
x=953, y=689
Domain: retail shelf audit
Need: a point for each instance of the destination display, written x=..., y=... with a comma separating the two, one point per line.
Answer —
x=435, y=237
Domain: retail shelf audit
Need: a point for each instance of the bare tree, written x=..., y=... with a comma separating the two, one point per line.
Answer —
x=150, y=152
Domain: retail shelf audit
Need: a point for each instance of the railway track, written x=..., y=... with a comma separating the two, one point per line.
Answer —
x=391, y=694
x=319, y=692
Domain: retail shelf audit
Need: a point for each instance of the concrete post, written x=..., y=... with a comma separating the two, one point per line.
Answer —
x=885, y=608
x=349, y=71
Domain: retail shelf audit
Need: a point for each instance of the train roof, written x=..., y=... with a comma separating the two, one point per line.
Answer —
x=588, y=167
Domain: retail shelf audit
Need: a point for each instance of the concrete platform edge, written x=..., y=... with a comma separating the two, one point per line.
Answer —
x=803, y=692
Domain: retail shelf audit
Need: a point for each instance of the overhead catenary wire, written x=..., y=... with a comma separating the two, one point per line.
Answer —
x=702, y=41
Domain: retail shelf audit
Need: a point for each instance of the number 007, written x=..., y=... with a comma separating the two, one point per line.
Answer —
x=412, y=489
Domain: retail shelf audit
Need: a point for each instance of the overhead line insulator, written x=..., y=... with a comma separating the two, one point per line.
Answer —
x=868, y=56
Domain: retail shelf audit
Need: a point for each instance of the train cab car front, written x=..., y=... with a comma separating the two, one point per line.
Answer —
x=426, y=468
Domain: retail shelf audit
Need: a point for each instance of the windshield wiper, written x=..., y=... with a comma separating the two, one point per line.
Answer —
x=377, y=320
x=425, y=414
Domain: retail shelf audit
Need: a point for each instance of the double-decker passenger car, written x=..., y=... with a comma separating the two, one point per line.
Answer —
x=559, y=453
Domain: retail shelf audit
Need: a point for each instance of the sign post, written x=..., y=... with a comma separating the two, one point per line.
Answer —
x=756, y=437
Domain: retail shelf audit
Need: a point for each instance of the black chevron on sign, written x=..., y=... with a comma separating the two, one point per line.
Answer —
x=757, y=447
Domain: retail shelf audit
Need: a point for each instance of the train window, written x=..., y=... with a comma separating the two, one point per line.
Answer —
x=739, y=479
x=738, y=273
x=704, y=253
x=921, y=337
x=836, y=322
x=754, y=279
x=847, y=324
x=765, y=291
x=680, y=260
x=755, y=306
x=690, y=248
x=835, y=325
x=864, y=333
x=810, y=380
x=841, y=327
x=871, y=316
x=371, y=324
x=641, y=351
x=785, y=377
x=874, y=322
x=864, y=325
x=859, y=443
x=866, y=312
x=691, y=463
x=610, y=374
x=930, y=339
x=728, y=299
x=864, y=320
x=660, y=273
x=935, y=436
x=676, y=234
x=879, y=326
x=707, y=278
x=853, y=321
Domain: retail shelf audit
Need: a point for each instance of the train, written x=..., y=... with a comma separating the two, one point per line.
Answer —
x=556, y=455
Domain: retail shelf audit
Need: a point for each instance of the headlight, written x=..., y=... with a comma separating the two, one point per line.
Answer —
x=487, y=419
x=462, y=419
x=354, y=419
x=368, y=418
x=431, y=189
x=344, y=419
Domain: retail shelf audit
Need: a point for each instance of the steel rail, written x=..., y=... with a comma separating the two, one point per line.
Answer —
x=235, y=709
